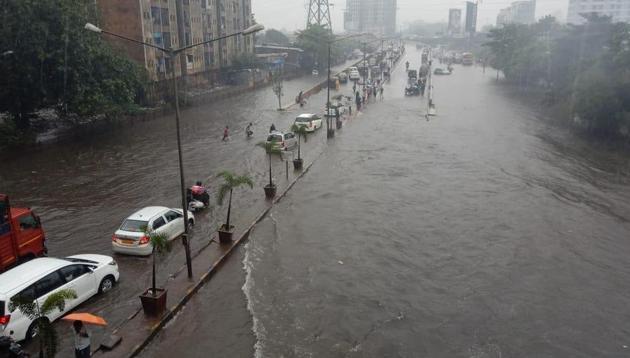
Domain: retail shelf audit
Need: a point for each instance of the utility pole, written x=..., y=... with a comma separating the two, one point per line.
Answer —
x=319, y=14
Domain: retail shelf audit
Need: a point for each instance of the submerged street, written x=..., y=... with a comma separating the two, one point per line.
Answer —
x=482, y=232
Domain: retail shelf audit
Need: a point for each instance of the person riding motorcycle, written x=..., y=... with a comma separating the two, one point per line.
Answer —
x=200, y=193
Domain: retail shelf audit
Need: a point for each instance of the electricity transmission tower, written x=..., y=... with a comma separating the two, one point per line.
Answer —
x=319, y=14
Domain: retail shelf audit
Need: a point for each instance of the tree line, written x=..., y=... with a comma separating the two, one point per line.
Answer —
x=583, y=67
x=48, y=60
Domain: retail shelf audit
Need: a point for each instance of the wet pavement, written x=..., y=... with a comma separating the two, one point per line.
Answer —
x=483, y=232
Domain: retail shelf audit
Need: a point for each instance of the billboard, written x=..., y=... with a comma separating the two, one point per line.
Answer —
x=471, y=17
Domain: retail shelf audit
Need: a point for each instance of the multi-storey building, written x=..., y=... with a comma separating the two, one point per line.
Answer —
x=454, y=21
x=177, y=23
x=618, y=10
x=519, y=12
x=377, y=17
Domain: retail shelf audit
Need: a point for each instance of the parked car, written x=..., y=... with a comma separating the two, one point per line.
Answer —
x=308, y=120
x=354, y=75
x=37, y=279
x=284, y=141
x=130, y=238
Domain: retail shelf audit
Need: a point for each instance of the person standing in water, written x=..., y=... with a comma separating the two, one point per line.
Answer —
x=226, y=133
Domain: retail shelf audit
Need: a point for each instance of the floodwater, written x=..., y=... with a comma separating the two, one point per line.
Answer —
x=483, y=232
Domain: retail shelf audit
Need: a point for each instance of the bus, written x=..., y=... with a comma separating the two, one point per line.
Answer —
x=467, y=59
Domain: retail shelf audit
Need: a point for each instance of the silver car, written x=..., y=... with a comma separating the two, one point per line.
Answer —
x=283, y=141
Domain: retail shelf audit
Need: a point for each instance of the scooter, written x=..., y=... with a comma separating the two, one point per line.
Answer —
x=9, y=348
x=197, y=202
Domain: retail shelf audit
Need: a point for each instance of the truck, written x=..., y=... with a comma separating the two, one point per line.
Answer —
x=21, y=235
x=467, y=59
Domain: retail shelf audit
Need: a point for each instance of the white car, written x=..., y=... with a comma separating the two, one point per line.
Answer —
x=130, y=238
x=283, y=141
x=310, y=121
x=37, y=279
x=354, y=75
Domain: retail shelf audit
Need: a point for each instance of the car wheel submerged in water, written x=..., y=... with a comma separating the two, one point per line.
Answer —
x=106, y=284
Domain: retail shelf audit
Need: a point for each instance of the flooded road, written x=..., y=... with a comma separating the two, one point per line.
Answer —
x=483, y=232
x=84, y=189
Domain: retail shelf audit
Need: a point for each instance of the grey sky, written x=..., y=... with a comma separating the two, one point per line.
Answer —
x=291, y=14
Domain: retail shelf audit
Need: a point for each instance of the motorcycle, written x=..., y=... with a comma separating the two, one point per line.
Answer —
x=197, y=202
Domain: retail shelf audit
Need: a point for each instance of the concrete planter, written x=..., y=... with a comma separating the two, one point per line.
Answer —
x=270, y=191
x=154, y=305
x=225, y=234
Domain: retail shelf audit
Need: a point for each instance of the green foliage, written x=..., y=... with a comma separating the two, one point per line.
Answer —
x=585, y=65
x=245, y=60
x=231, y=181
x=275, y=37
x=270, y=147
x=55, y=62
x=48, y=338
x=314, y=41
x=301, y=132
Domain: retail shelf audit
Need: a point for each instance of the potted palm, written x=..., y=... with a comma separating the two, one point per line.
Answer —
x=301, y=132
x=270, y=148
x=154, y=299
x=41, y=326
x=230, y=182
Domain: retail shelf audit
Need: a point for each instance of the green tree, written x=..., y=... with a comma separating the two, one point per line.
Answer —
x=270, y=148
x=314, y=41
x=301, y=132
x=275, y=37
x=231, y=181
x=55, y=62
x=42, y=327
x=160, y=245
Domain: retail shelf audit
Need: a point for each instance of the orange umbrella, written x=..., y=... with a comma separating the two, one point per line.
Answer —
x=85, y=318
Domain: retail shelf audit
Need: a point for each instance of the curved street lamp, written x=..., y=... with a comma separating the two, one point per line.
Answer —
x=172, y=53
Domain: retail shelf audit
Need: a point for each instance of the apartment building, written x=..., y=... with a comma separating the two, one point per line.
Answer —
x=519, y=12
x=377, y=17
x=177, y=23
x=618, y=10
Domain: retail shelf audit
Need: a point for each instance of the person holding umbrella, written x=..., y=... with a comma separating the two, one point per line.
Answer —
x=81, y=340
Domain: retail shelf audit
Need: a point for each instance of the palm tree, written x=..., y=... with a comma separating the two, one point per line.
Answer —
x=48, y=339
x=160, y=244
x=301, y=132
x=231, y=182
x=270, y=148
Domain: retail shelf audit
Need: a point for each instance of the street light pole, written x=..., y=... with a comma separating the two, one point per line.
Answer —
x=172, y=54
x=329, y=132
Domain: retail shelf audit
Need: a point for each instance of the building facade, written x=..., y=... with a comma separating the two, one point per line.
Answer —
x=377, y=17
x=454, y=21
x=519, y=12
x=178, y=23
x=470, y=25
x=618, y=10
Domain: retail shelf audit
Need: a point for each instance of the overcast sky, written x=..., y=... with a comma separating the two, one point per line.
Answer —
x=291, y=14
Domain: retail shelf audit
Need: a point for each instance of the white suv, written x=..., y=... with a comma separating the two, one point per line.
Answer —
x=37, y=279
x=130, y=238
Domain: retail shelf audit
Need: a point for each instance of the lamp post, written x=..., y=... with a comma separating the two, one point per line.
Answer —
x=172, y=53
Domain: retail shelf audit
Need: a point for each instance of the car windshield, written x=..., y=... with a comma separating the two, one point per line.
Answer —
x=134, y=225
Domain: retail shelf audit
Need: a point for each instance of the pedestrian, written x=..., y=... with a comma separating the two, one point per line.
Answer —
x=299, y=98
x=81, y=340
x=272, y=128
x=381, y=91
x=354, y=86
x=226, y=133
x=357, y=100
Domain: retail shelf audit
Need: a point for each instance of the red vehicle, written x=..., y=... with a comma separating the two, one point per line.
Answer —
x=21, y=235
